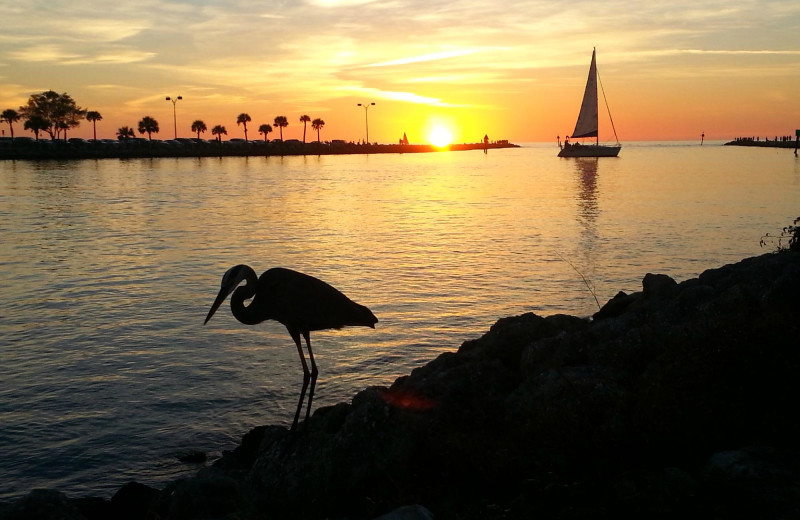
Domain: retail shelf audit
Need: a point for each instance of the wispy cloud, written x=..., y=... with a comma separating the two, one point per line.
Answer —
x=443, y=55
x=407, y=97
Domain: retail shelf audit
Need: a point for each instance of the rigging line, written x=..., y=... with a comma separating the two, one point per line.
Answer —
x=607, y=108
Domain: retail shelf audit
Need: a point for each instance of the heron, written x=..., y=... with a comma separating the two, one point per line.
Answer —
x=300, y=302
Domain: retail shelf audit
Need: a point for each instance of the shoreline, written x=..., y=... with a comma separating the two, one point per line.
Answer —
x=45, y=150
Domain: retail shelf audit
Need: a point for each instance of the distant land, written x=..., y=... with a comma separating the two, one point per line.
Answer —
x=28, y=149
x=776, y=142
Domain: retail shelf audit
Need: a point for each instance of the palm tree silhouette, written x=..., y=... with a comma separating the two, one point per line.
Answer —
x=199, y=126
x=94, y=117
x=264, y=129
x=219, y=131
x=10, y=116
x=124, y=133
x=281, y=122
x=149, y=126
x=304, y=119
x=243, y=119
x=317, y=124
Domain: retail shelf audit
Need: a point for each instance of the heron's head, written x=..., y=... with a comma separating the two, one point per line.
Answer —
x=230, y=280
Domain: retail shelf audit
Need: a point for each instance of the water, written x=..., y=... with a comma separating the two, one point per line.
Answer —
x=109, y=268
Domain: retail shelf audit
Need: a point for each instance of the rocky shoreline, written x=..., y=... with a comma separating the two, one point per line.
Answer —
x=678, y=401
x=776, y=143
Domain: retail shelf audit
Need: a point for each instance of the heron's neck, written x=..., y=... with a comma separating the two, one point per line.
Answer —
x=246, y=314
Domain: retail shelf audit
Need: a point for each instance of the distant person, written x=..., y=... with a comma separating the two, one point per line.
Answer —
x=486, y=143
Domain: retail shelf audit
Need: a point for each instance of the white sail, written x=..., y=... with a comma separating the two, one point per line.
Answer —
x=587, y=118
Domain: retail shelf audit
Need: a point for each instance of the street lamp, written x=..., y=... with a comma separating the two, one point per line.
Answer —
x=366, y=117
x=174, y=118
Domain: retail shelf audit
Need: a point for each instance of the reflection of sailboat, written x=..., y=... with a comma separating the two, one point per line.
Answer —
x=587, y=195
x=586, y=126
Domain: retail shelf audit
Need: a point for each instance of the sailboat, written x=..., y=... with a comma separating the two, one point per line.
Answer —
x=586, y=126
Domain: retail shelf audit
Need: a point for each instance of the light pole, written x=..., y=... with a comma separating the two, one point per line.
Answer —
x=174, y=118
x=366, y=116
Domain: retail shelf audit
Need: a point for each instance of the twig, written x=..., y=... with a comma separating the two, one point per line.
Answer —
x=585, y=281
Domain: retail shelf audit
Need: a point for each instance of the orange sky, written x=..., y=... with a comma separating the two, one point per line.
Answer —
x=511, y=70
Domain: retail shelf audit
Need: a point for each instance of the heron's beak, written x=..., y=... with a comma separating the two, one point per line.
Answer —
x=223, y=293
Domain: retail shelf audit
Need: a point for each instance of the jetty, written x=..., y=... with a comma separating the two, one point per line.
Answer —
x=777, y=142
x=23, y=148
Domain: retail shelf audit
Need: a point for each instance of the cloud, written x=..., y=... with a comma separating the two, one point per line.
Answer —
x=427, y=57
x=407, y=97
x=43, y=53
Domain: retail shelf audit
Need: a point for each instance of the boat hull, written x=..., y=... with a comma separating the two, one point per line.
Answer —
x=591, y=150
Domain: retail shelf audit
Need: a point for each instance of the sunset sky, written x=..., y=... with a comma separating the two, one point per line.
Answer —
x=512, y=69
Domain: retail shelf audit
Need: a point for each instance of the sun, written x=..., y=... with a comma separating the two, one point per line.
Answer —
x=440, y=136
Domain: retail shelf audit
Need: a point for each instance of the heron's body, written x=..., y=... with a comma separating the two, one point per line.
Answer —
x=300, y=302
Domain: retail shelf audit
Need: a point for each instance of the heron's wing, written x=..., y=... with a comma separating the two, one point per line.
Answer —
x=306, y=303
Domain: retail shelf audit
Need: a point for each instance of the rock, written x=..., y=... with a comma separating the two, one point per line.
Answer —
x=211, y=494
x=415, y=512
x=658, y=286
x=43, y=504
x=191, y=456
x=134, y=501
x=754, y=482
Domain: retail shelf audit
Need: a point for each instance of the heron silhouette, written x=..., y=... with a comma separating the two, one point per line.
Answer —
x=300, y=302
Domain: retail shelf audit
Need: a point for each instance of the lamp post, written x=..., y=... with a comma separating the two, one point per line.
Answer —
x=174, y=117
x=366, y=117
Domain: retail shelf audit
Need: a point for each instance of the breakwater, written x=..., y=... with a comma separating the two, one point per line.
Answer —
x=777, y=142
x=26, y=148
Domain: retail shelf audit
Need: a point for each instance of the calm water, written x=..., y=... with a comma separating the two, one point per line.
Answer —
x=109, y=268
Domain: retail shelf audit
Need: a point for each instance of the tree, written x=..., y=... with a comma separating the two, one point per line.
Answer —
x=219, y=131
x=94, y=117
x=281, y=122
x=10, y=116
x=59, y=110
x=304, y=119
x=199, y=126
x=243, y=119
x=317, y=125
x=36, y=124
x=149, y=126
x=125, y=133
x=264, y=129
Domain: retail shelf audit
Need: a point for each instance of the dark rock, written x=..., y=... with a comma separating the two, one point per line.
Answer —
x=415, y=512
x=43, y=504
x=134, y=501
x=658, y=286
x=94, y=508
x=192, y=456
x=211, y=494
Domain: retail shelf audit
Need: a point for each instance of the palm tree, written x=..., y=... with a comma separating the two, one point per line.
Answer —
x=243, y=119
x=199, y=126
x=94, y=116
x=317, y=124
x=124, y=133
x=281, y=122
x=304, y=119
x=10, y=116
x=37, y=124
x=219, y=131
x=149, y=126
x=264, y=129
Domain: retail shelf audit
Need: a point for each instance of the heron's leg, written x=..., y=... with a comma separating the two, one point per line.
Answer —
x=314, y=373
x=306, y=376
